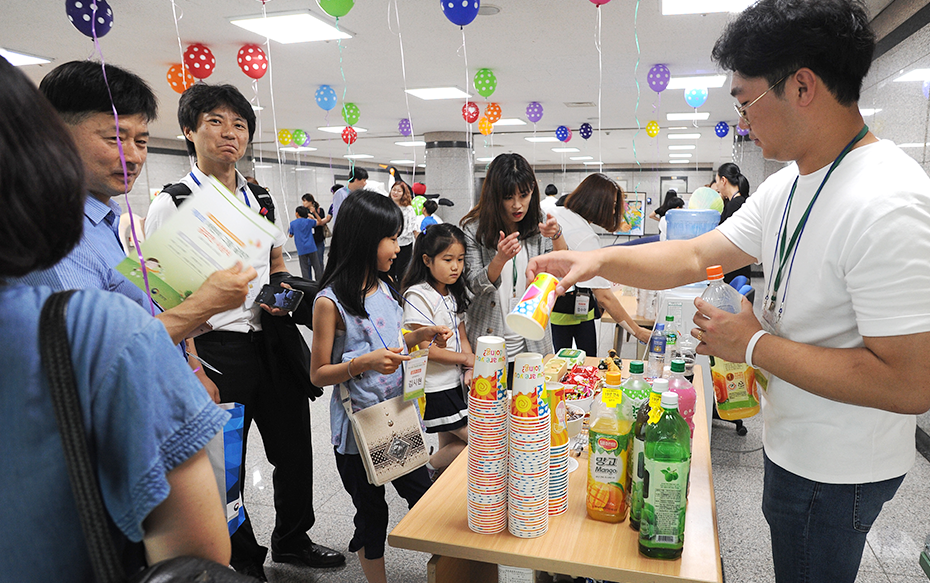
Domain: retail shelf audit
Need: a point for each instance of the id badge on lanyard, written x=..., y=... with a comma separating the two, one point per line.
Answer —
x=415, y=374
x=582, y=303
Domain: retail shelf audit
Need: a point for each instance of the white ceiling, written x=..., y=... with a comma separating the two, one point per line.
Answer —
x=540, y=50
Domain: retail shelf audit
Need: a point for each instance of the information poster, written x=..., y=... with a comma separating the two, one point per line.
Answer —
x=632, y=223
x=211, y=231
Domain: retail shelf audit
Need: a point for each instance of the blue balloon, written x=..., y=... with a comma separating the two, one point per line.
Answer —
x=561, y=133
x=325, y=97
x=460, y=12
x=722, y=129
x=586, y=130
x=82, y=15
x=695, y=97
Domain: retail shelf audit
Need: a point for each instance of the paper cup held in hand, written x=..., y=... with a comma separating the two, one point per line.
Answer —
x=531, y=316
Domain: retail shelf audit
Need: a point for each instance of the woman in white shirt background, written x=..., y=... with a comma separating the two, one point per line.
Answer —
x=597, y=200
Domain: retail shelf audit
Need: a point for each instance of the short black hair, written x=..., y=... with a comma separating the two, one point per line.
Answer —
x=77, y=89
x=774, y=38
x=335, y=187
x=357, y=173
x=41, y=179
x=551, y=190
x=303, y=212
x=201, y=98
x=430, y=206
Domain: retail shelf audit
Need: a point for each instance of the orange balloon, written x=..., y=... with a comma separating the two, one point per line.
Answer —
x=179, y=78
x=485, y=126
x=493, y=112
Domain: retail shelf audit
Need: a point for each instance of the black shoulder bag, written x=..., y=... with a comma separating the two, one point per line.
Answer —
x=56, y=359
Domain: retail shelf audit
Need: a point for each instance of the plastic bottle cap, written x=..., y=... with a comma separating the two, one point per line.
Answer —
x=669, y=400
x=659, y=327
x=714, y=272
x=636, y=367
x=669, y=318
x=660, y=386
x=678, y=365
x=612, y=378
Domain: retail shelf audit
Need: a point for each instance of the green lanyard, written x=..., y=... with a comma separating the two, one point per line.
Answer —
x=785, y=252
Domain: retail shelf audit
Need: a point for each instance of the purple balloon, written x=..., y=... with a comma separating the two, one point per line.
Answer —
x=82, y=15
x=460, y=12
x=658, y=78
x=741, y=131
x=534, y=111
x=926, y=89
x=404, y=127
x=586, y=130
x=721, y=129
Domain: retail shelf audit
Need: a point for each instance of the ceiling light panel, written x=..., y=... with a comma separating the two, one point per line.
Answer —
x=338, y=129
x=915, y=75
x=697, y=82
x=682, y=147
x=431, y=93
x=684, y=136
x=509, y=121
x=21, y=59
x=358, y=156
x=697, y=116
x=292, y=27
x=410, y=144
x=673, y=7
x=565, y=150
x=540, y=139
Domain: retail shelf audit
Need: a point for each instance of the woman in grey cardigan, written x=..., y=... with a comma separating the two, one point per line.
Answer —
x=504, y=231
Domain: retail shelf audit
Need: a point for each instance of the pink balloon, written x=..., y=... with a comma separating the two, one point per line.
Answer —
x=599, y=2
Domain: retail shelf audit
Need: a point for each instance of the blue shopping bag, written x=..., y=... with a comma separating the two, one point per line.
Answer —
x=225, y=454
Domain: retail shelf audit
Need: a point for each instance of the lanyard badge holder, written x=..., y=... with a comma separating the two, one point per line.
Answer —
x=772, y=308
x=582, y=302
x=514, y=298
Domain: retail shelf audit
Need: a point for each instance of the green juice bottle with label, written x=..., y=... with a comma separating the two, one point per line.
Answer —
x=637, y=455
x=636, y=388
x=667, y=463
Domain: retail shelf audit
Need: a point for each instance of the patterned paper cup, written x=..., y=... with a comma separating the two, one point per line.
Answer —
x=531, y=316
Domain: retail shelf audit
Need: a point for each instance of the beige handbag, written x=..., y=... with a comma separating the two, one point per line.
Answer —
x=389, y=437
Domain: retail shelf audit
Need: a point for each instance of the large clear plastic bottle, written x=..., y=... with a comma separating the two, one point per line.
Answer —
x=637, y=461
x=687, y=396
x=671, y=342
x=656, y=354
x=667, y=464
x=609, y=441
x=734, y=382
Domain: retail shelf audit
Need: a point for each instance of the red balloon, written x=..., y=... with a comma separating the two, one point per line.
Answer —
x=470, y=112
x=349, y=135
x=179, y=78
x=252, y=60
x=199, y=60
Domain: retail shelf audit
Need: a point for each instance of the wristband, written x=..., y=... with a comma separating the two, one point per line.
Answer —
x=557, y=235
x=752, y=344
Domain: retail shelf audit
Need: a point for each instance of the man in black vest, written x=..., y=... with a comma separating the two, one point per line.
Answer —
x=218, y=123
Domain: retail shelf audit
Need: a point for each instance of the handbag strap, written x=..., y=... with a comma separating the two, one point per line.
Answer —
x=346, y=399
x=55, y=353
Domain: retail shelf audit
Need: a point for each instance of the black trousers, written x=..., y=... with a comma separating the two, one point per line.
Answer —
x=583, y=333
x=282, y=414
x=400, y=264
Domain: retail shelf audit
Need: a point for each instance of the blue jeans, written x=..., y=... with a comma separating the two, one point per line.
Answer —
x=818, y=530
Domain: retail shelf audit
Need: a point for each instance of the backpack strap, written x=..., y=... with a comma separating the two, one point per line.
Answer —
x=264, y=199
x=178, y=192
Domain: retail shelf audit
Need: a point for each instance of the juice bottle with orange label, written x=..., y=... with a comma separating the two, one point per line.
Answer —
x=609, y=440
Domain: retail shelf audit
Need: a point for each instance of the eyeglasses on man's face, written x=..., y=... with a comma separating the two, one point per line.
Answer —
x=741, y=109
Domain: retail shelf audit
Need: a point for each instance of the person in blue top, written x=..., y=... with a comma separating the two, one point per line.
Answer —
x=147, y=418
x=301, y=230
x=429, y=208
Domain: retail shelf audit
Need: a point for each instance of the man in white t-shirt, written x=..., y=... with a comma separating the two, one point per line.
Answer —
x=845, y=326
x=256, y=367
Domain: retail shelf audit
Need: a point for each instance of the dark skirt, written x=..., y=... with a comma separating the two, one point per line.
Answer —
x=445, y=411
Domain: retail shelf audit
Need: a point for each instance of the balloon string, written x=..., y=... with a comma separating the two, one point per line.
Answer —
x=122, y=156
x=274, y=116
x=600, y=84
x=636, y=110
x=403, y=69
x=177, y=31
x=345, y=88
x=258, y=120
x=468, y=129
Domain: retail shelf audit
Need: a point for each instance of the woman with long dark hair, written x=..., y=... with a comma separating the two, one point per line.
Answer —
x=504, y=231
x=734, y=190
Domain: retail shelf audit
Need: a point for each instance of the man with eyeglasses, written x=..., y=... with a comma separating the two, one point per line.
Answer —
x=843, y=234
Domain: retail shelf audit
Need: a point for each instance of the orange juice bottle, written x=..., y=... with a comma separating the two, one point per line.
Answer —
x=609, y=440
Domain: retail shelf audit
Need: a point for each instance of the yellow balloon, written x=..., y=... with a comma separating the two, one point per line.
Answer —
x=485, y=126
x=652, y=129
x=285, y=137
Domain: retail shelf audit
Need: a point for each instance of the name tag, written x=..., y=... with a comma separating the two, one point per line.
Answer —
x=415, y=375
x=582, y=304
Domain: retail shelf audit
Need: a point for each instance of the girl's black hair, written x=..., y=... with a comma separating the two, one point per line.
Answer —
x=432, y=243
x=507, y=174
x=365, y=218
x=732, y=173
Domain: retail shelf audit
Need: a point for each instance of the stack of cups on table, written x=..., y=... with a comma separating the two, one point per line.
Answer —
x=487, y=445
x=530, y=444
x=558, y=451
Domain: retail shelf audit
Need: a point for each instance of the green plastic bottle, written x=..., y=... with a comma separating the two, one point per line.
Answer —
x=636, y=389
x=667, y=464
x=637, y=455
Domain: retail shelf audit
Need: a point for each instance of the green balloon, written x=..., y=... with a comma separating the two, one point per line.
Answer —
x=350, y=113
x=485, y=82
x=299, y=137
x=417, y=204
x=336, y=8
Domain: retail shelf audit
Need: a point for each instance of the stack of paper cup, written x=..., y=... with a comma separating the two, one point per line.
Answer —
x=558, y=452
x=530, y=442
x=487, y=438
x=530, y=317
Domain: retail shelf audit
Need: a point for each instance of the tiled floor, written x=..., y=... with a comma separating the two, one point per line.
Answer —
x=891, y=555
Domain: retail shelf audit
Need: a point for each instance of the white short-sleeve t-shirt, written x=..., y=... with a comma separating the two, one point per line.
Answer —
x=425, y=306
x=861, y=269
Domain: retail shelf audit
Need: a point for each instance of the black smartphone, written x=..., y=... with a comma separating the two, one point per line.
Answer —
x=279, y=297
